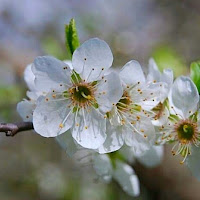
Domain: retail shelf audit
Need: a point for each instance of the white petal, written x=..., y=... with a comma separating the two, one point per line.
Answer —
x=127, y=179
x=50, y=73
x=109, y=92
x=90, y=58
x=114, y=118
x=25, y=109
x=69, y=63
x=147, y=127
x=132, y=73
x=154, y=73
x=102, y=165
x=29, y=78
x=91, y=129
x=167, y=77
x=152, y=157
x=66, y=141
x=128, y=153
x=139, y=143
x=184, y=96
x=34, y=95
x=114, y=140
x=193, y=162
x=152, y=93
x=52, y=117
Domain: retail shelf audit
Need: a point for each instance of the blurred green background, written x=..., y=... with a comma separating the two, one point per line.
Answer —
x=36, y=168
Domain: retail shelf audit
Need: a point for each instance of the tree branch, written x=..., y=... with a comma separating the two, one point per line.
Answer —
x=12, y=129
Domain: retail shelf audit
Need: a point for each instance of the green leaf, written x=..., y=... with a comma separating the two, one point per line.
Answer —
x=195, y=73
x=71, y=37
x=166, y=57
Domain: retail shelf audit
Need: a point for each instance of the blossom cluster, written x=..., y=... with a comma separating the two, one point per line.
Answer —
x=86, y=105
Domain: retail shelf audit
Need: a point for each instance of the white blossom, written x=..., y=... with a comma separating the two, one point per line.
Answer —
x=129, y=121
x=182, y=126
x=79, y=98
x=161, y=110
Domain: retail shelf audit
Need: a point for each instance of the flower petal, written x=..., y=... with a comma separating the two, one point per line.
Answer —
x=92, y=59
x=153, y=73
x=25, y=109
x=109, y=92
x=127, y=179
x=137, y=140
x=50, y=73
x=33, y=96
x=167, y=77
x=114, y=140
x=128, y=153
x=52, y=116
x=69, y=63
x=150, y=95
x=103, y=167
x=184, y=96
x=89, y=128
x=193, y=162
x=152, y=157
x=66, y=141
x=29, y=78
x=132, y=73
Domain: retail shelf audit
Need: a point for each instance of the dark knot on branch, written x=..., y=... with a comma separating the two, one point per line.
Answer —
x=11, y=129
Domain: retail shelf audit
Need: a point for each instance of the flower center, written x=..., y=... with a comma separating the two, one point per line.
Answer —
x=82, y=94
x=186, y=131
x=158, y=111
x=124, y=102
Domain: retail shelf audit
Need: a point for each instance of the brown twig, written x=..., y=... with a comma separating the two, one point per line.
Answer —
x=12, y=129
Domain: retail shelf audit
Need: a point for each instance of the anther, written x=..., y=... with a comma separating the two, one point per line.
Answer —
x=138, y=118
x=61, y=125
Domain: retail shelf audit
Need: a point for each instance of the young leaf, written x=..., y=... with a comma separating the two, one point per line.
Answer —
x=71, y=37
x=195, y=73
